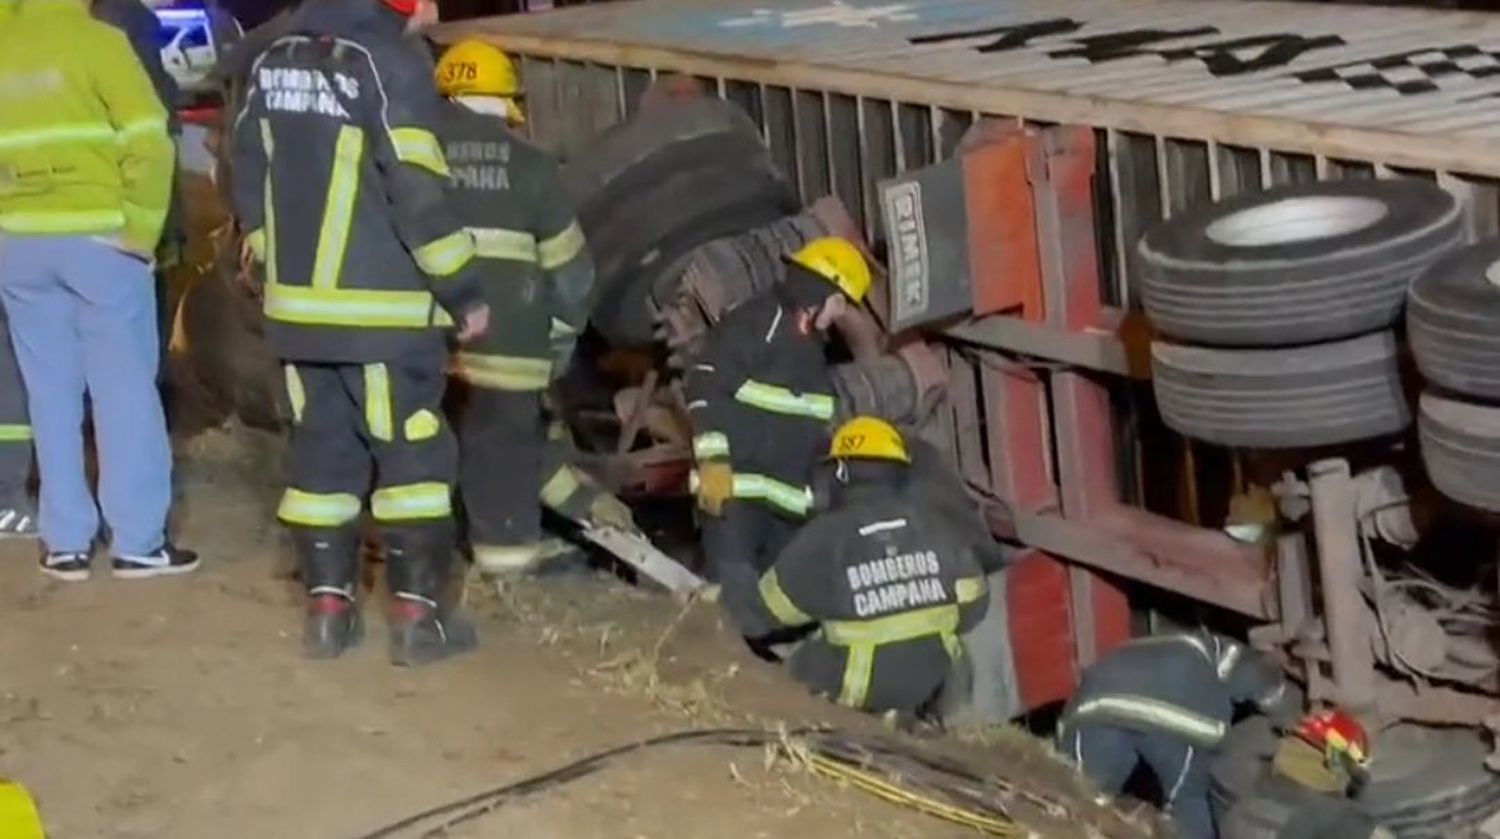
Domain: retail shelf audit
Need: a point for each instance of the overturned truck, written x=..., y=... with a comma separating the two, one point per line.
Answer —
x=1209, y=294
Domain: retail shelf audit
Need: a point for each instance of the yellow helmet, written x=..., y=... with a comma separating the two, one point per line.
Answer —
x=838, y=262
x=18, y=815
x=477, y=68
x=868, y=438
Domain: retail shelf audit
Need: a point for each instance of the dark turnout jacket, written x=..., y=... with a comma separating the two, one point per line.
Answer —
x=534, y=265
x=342, y=183
x=1185, y=684
x=890, y=584
x=760, y=396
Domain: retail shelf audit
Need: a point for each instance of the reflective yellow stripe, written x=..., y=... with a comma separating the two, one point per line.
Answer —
x=711, y=444
x=499, y=243
x=419, y=147
x=559, y=250
x=444, y=257
x=256, y=240
x=933, y=620
x=147, y=125
x=559, y=488
x=423, y=425
x=428, y=500
x=857, y=671
x=316, y=509
x=969, y=589
x=506, y=559
x=295, y=393
x=78, y=132
x=953, y=645
x=349, y=307
x=338, y=207
x=62, y=221
x=778, y=603
x=793, y=499
x=378, y=411
x=1154, y=713
x=1228, y=660
x=15, y=433
x=502, y=372
x=269, y=207
x=779, y=400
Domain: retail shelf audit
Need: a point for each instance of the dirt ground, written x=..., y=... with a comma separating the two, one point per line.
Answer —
x=181, y=708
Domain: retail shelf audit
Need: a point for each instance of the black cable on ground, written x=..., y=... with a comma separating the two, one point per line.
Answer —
x=581, y=768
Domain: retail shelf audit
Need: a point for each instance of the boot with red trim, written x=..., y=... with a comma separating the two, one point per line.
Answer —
x=424, y=621
x=330, y=562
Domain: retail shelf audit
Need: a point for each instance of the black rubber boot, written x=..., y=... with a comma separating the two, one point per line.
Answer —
x=330, y=562
x=425, y=626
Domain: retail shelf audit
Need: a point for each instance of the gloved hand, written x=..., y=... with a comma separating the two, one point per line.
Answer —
x=609, y=511
x=715, y=486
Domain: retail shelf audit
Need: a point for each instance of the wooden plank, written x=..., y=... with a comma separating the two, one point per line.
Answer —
x=844, y=153
x=813, y=175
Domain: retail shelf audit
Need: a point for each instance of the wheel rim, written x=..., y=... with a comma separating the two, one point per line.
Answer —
x=1293, y=220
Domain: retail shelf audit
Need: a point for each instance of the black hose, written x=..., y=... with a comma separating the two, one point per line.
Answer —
x=581, y=768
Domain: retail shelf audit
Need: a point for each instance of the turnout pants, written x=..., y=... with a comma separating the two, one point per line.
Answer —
x=15, y=427
x=504, y=442
x=1108, y=754
x=353, y=423
x=83, y=321
x=740, y=546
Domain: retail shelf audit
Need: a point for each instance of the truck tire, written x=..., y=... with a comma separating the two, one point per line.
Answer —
x=1297, y=264
x=652, y=189
x=1425, y=783
x=1461, y=449
x=1453, y=321
x=1282, y=398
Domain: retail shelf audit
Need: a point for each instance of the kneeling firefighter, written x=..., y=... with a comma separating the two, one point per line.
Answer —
x=341, y=185
x=1305, y=792
x=760, y=399
x=537, y=278
x=1167, y=701
x=884, y=576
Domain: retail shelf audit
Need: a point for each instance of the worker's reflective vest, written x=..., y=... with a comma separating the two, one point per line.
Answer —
x=889, y=583
x=83, y=139
x=534, y=265
x=1186, y=684
x=341, y=182
x=760, y=397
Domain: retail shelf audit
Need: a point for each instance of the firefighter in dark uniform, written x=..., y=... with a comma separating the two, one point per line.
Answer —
x=760, y=399
x=1305, y=792
x=341, y=183
x=1167, y=701
x=883, y=576
x=538, y=276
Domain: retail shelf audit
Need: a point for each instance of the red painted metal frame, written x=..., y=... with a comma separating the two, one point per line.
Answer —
x=1069, y=513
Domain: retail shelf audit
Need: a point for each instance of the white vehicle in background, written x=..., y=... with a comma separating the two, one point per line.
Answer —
x=193, y=37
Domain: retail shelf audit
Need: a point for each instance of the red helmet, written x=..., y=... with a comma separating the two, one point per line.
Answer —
x=1338, y=736
x=405, y=8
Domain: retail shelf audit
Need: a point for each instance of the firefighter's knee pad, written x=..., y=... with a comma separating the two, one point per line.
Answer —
x=423, y=425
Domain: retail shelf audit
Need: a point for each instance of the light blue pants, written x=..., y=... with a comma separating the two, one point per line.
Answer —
x=83, y=321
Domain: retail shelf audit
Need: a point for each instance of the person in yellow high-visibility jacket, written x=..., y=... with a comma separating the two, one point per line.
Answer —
x=86, y=169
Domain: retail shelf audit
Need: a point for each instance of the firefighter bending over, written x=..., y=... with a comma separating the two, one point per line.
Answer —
x=760, y=398
x=1168, y=701
x=1305, y=792
x=341, y=183
x=537, y=277
x=885, y=577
